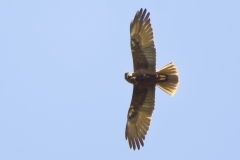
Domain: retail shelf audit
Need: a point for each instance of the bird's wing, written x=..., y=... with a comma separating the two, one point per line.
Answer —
x=139, y=115
x=142, y=44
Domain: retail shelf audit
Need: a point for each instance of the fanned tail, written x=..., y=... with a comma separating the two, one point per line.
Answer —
x=168, y=81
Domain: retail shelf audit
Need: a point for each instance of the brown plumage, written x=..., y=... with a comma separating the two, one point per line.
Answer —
x=144, y=79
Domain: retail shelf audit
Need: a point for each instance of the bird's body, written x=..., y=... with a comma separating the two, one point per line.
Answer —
x=144, y=79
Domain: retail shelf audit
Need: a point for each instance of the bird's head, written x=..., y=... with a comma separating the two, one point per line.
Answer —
x=129, y=77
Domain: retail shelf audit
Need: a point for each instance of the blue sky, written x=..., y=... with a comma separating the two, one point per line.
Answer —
x=62, y=89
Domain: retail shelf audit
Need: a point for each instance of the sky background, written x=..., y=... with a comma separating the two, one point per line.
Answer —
x=62, y=89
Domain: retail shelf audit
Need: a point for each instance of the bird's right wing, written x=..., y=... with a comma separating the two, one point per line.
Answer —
x=142, y=44
x=139, y=115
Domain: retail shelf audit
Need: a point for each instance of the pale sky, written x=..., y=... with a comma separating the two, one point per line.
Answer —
x=62, y=89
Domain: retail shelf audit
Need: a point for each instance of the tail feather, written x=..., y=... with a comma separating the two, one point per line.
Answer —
x=171, y=83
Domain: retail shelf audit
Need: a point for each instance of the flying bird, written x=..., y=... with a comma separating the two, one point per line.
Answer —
x=144, y=79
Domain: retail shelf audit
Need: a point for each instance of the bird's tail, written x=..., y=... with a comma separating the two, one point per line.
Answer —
x=168, y=78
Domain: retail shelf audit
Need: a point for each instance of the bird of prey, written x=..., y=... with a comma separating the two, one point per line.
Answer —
x=144, y=79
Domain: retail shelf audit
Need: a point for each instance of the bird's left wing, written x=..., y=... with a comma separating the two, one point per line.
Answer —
x=142, y=44
x=139, y=115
